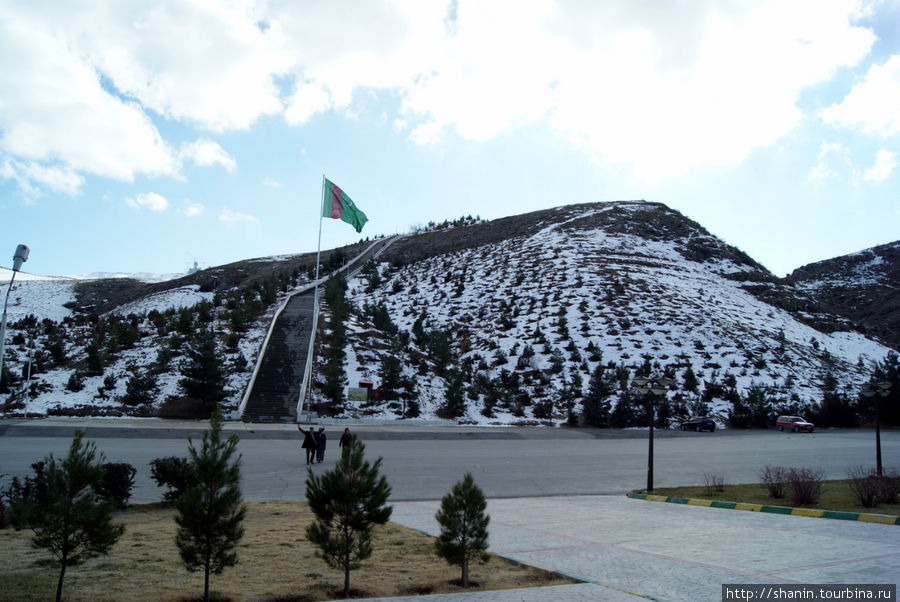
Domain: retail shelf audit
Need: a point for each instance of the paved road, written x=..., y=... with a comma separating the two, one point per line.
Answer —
x=422, y=463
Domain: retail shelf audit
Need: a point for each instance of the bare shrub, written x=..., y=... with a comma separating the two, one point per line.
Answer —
x=889, y=487
x=715, y=482
x=805, y=485
x=864, y=484
x=774, y=479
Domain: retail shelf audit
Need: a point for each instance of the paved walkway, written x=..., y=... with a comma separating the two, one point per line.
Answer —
x=628, y=549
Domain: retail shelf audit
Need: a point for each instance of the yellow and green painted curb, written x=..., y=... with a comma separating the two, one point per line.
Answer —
x=885, y=519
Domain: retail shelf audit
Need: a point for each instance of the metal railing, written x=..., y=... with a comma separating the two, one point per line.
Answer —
x=312, y=285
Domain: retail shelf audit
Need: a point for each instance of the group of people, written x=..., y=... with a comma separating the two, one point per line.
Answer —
x=314, y=443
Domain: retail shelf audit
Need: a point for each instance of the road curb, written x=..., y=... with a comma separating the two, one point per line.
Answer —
x=885, y=519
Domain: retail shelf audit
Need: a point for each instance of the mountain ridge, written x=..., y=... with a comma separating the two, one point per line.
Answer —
x=527, y=309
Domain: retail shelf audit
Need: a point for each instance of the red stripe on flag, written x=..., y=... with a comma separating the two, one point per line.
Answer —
x=336, y=205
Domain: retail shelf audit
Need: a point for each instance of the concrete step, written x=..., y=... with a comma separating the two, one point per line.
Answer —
x=276, y=388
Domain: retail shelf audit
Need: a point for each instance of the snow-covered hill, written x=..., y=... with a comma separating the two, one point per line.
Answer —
x=40, y=316
x=43, y=296
x=514, y=315
x=616, y=285
x=863, y=286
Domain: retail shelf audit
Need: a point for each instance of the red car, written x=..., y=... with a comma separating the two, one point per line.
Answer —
x=794, y=423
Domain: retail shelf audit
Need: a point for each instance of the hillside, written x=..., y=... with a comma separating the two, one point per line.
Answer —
x=530, y=307
x=862, y=286
x=515, y=320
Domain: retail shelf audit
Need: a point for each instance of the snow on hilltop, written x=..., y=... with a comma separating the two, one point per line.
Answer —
x=573, y=296
x=42, y=296
x=46, y=297
x=522, y=311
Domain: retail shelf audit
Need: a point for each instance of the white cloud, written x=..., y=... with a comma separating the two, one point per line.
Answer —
x=657, y=91
x=307, y=100
x=380, y=45
x=56, y=112
x=150, y=200
x=270, y=183
x=664, y=102
x=885, y=162
x=495, y=71
x=828, y=153
x=872, y=104
x=233, y=217
x=205, y=152
x=193, y=209
x=32, y=176
x=207, y=63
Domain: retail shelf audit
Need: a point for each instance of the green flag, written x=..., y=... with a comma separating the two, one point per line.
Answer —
x=337, y=205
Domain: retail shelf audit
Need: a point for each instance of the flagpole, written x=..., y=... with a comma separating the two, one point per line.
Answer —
x=319, y=247
x=307, y=376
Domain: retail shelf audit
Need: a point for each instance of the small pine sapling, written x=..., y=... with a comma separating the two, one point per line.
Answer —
x=209, y=513
x=347, y=502
x=464, y=535
x=61, y=504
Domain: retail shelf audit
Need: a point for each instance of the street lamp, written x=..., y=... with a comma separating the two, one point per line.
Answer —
x=651, y=387
x=20, y=257
x=876, y=389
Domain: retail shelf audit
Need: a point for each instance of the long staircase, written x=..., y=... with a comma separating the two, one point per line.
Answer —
x=274, y=389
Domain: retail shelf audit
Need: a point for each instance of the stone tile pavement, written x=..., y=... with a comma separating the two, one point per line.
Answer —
x=625, y=549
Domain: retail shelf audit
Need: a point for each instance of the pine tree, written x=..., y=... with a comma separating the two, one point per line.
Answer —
x=624, y=414
x=203, y=375
x=887, y=370
x=94, y=358
x=335, y=379
x=209, y=513
x=463, y=523
x=440, y=350
x=391, y=371
x=596, y=404
x=557, y=361
x=348, y=502
x=690, y=380
x=6, y=379
x=454, y=396
x=64, y=510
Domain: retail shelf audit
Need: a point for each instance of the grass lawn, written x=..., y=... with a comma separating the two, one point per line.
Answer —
x=836, y=495
x=275, y=562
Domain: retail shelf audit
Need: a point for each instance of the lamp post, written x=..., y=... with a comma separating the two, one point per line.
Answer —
x=877, y=389
x=20, y=257
x=651, y=387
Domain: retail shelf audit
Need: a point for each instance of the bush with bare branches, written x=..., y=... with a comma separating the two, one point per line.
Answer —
x=805, y=485
x=774, y=479
x=715, y=482
x=889, y=487
x=864, y=484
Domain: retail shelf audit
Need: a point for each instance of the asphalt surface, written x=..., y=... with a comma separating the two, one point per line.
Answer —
x=423, y=461
x=543, y=487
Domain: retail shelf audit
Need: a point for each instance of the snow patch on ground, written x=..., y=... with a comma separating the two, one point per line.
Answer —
x=41, y=296
x=173, y=298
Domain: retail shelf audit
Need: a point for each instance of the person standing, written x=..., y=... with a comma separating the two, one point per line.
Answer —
x=320, y=444
x=344, y=443
x=309, y=444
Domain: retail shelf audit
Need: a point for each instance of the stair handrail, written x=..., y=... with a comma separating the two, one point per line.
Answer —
x=307, y=372
x=262, y=349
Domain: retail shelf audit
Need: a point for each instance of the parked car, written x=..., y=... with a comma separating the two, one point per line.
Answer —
x=699, y=423
x=794, y=423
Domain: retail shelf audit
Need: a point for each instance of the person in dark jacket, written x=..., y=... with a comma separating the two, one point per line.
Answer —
x=309, y=444
x=344, y=443
x=320, y=445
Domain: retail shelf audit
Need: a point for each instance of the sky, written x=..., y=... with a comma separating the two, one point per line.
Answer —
x=146, y=136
